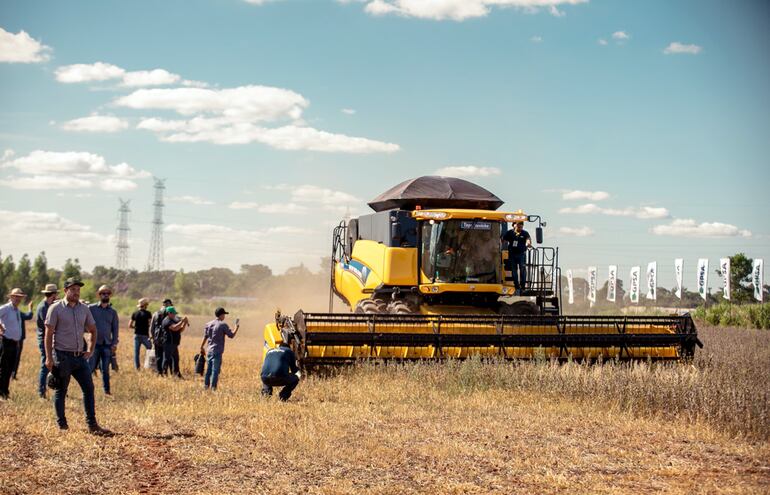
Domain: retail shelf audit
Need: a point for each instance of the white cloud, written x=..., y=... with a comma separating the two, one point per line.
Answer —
x=468, y=171
x=677, y=48
x=314, y=194
x=286, y=229
x=690, y=228
x=576, y=231
x=602, y=42
x=536, y=39
x=243, y=205
x=30, y=225
x=348, y=111
x=155, y=77
x=587, y=195
x=96, y=123
x=70, y=170
x=78, y=73
x=459, y=10
x=644, y=212
x=193, y=200
x=620, y=36
x=286, y=208
x=22, y=48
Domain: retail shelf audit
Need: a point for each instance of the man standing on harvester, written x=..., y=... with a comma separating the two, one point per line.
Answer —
x=279, y=369
x=518, y=242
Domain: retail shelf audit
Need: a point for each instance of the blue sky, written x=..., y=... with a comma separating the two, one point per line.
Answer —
x=271, y=119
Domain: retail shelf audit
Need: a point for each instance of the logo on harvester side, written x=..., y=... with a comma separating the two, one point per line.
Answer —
x=358, y=269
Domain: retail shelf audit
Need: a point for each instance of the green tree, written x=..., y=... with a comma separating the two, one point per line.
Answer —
x=184, y=286
x=22, y=277
x=71, y=269
x=7, y=269
x=40, y=272
x=741, y=290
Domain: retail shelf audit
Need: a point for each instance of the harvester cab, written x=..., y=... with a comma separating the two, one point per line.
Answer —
x=427, y=276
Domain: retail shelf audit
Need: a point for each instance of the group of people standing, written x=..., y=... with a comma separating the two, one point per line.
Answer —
x=66, y=354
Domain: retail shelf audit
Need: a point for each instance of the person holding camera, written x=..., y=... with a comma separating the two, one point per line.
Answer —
x=156, y=331
x=66, y=322
x=215, y=333
x=172, y=328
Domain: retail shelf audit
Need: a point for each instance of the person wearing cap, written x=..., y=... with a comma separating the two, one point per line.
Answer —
x=140, y=322
x=12, y=331
x=215, y=333
x=156, y=330
x=172, y=326
x=66, y=322
x=280, y=369
x=518, y=241
x=50, y=292
x=25, y=317
x=107, y=324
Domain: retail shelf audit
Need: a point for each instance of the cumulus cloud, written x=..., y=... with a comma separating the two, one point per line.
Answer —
x=644, y=212
x=348, y=111
x=101, y=71
x=30, y=225
x=585, y=195
x=602, y=41
x=468, y=171
x=690, y=228
x=459, y=10
x=22, y=48
x=240, y=116
x=576, y=231
x=620, y=36
x=681, y=48
x=42, y=170
x=193, y=200
x=96, y=123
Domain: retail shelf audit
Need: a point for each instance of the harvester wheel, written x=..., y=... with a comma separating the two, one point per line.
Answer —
x=400, y=308
x=520, y=308
x=367, y=306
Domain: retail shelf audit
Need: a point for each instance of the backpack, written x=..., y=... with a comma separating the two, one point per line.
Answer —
x=158, y=335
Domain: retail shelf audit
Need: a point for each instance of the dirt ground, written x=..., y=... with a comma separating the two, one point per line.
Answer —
x=365, y=430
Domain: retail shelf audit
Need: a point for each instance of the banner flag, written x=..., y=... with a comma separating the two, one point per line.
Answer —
x=612, y=283
x=703, y=277
x=652, y=280
x=592, y=284
x=724, y=268
x=678, y=270
x=570, y=295
x=757, y=278
x=634, y=287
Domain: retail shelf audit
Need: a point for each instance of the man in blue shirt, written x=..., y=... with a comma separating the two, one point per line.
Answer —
x=215, y=333
x=50, y=292
x=280, y=370
x=11, y=334
x=106, y=319
x=519, y=241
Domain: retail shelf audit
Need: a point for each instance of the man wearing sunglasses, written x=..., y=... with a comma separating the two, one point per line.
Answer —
x=106, y=319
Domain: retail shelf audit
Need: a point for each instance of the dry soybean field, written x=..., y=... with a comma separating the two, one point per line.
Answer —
x=472, y=427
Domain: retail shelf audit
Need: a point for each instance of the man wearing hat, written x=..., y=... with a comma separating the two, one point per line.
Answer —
x=65, y=324
x=12, y=332
x=106, y=319
x=140, y=322
x=156, y=331
x=172, y=328
x=50, y=292
x=215, y=335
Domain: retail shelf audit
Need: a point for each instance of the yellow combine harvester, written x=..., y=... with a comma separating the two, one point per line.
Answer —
x=426, y=277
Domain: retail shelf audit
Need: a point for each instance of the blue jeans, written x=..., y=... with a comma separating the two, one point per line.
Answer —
x=41, y=385
x=214, y=360
x=519, y=265
x=139, y=341
x=101, y=358
x=68, y=365
x=288, y=382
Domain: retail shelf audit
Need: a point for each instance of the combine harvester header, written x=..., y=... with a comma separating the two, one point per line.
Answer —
x=427, y=278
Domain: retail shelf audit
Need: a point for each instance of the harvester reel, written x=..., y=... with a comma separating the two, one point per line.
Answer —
x=519, y=308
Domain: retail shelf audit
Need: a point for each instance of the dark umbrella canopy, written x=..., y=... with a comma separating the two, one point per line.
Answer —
x=433, y=191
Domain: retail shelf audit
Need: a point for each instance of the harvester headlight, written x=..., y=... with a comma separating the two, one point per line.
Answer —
x=435, y=288
x=515, y=217
x=436, y=215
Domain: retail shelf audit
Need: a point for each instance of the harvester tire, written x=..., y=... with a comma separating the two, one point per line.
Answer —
x=520, y=308
x=400, y=308
x=368, y=307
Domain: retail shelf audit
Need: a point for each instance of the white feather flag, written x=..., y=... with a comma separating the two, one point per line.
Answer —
x=652, y=280
x=757, y=278
x=634, y=286
x=612, y=282
x=570, y=294
x=724, y=269
x=678, y=271
x=703, y=277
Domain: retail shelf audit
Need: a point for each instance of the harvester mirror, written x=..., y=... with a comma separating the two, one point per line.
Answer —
x=539, y=235
x=395, y=231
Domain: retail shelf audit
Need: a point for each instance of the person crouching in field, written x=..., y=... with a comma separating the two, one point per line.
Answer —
x=140, y=322
x=215, y=335
x=280, y=370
